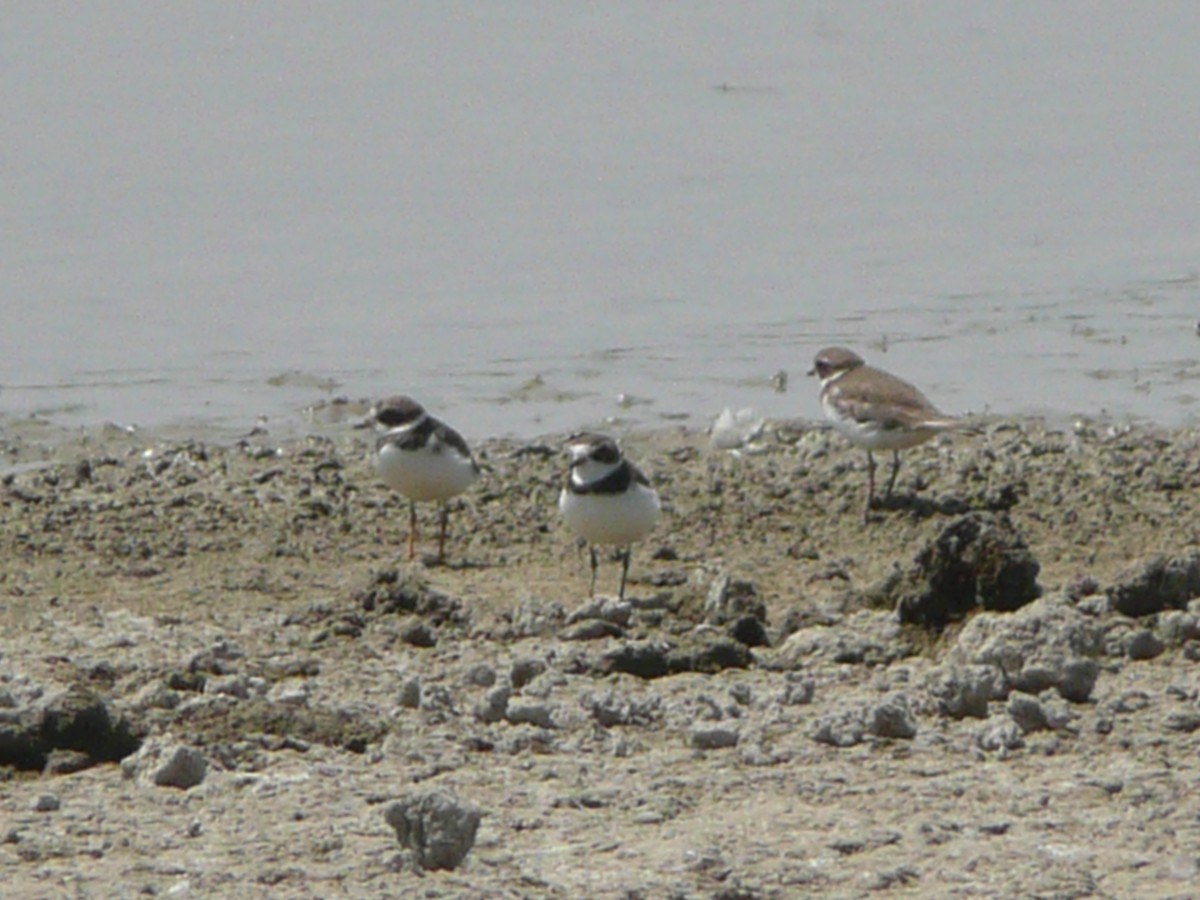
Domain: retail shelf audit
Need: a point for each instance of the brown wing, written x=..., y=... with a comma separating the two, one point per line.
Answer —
x=886, y=399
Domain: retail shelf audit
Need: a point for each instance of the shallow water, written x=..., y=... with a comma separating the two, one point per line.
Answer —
x=536, y=217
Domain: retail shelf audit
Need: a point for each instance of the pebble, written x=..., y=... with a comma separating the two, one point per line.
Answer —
x=436, y=826
x=712, y=737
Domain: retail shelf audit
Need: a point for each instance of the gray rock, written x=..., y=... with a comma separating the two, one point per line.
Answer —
x=1156, y=584
x=438, y=828
x=399, y=592
x=46, y=803
x=868, y=636
x=840, y=729
x=708, y=653
x=1096, y=605
x=962, y=691
x=529, y=714
x=494, y=704
x=612, y=709
x=1027, y=712
x=702, y=651
x=713, y=737
x=590, y=630
x=1178, y=627
x=525, y=670
x=646, y=659
x=417, y=633
x=1046, y=644
x=979, y=560
x=237, y=686
x=438, y=699
x=65, y=762
x=410, y=693
x=797, y=691
x=480, y=675
x=154, y=695
x=1000, y=735
x=1144, y=644
x=749, y=630
x=892, y=718
x=729, y=599
x=534, y=619
x=164, y=763
x=1184, y=721
x=603, y=609
x=77, y=720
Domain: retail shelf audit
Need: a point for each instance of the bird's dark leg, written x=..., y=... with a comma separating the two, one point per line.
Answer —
x=412, y=530
x=870, y=487
x=895, y=469
x=441, y=557
x=595, y=567
x=624, y=572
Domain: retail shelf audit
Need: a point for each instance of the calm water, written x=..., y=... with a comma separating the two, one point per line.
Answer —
x=524, y=213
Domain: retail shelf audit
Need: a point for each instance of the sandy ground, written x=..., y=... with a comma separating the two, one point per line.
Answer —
x=235, y=600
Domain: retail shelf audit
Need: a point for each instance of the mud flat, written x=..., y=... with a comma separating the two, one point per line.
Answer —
x=219, y=678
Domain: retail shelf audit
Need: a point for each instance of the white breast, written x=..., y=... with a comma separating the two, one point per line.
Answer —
x=611, y=518
x=425, y=474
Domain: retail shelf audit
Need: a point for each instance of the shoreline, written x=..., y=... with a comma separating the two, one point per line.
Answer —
x=249, y=604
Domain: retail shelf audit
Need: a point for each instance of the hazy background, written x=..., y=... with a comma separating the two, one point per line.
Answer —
x=520, y=212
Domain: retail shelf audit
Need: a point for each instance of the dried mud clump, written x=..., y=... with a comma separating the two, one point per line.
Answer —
x=978, y=561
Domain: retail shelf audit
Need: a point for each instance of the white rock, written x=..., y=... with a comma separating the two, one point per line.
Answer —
x=163, y=762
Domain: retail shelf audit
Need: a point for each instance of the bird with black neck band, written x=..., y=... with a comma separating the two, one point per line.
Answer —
x=423, y=459
x=606, y=500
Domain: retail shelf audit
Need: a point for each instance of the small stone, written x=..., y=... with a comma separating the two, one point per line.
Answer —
x=230, y=686
x=1077, y=678
x=410, y=693
x=1144, y=644
x=749, y=630
x=417, y=633
x=797, y=691
x=603, y=609
x=1185, y=722
x=494, y=704
x=65, y=762
x=1178, y=627
x=712, y=737
x=1156, y=584
x=529, y=714
x=481, y=675
x=613, y=709
x=1000, y=735
x=1096, y=606
x=46, y=803
x=892, y=719
x=841, y=729
x=164, y=763
x=524, y=671
x=966, y=691
x=644, y=660
x=1027, y=712
x=590, y=630
x=436, y=826
x=729, y=599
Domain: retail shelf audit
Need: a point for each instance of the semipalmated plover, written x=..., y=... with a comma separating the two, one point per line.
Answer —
x=422, y=458
x=875, y=410
x=606, y=499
